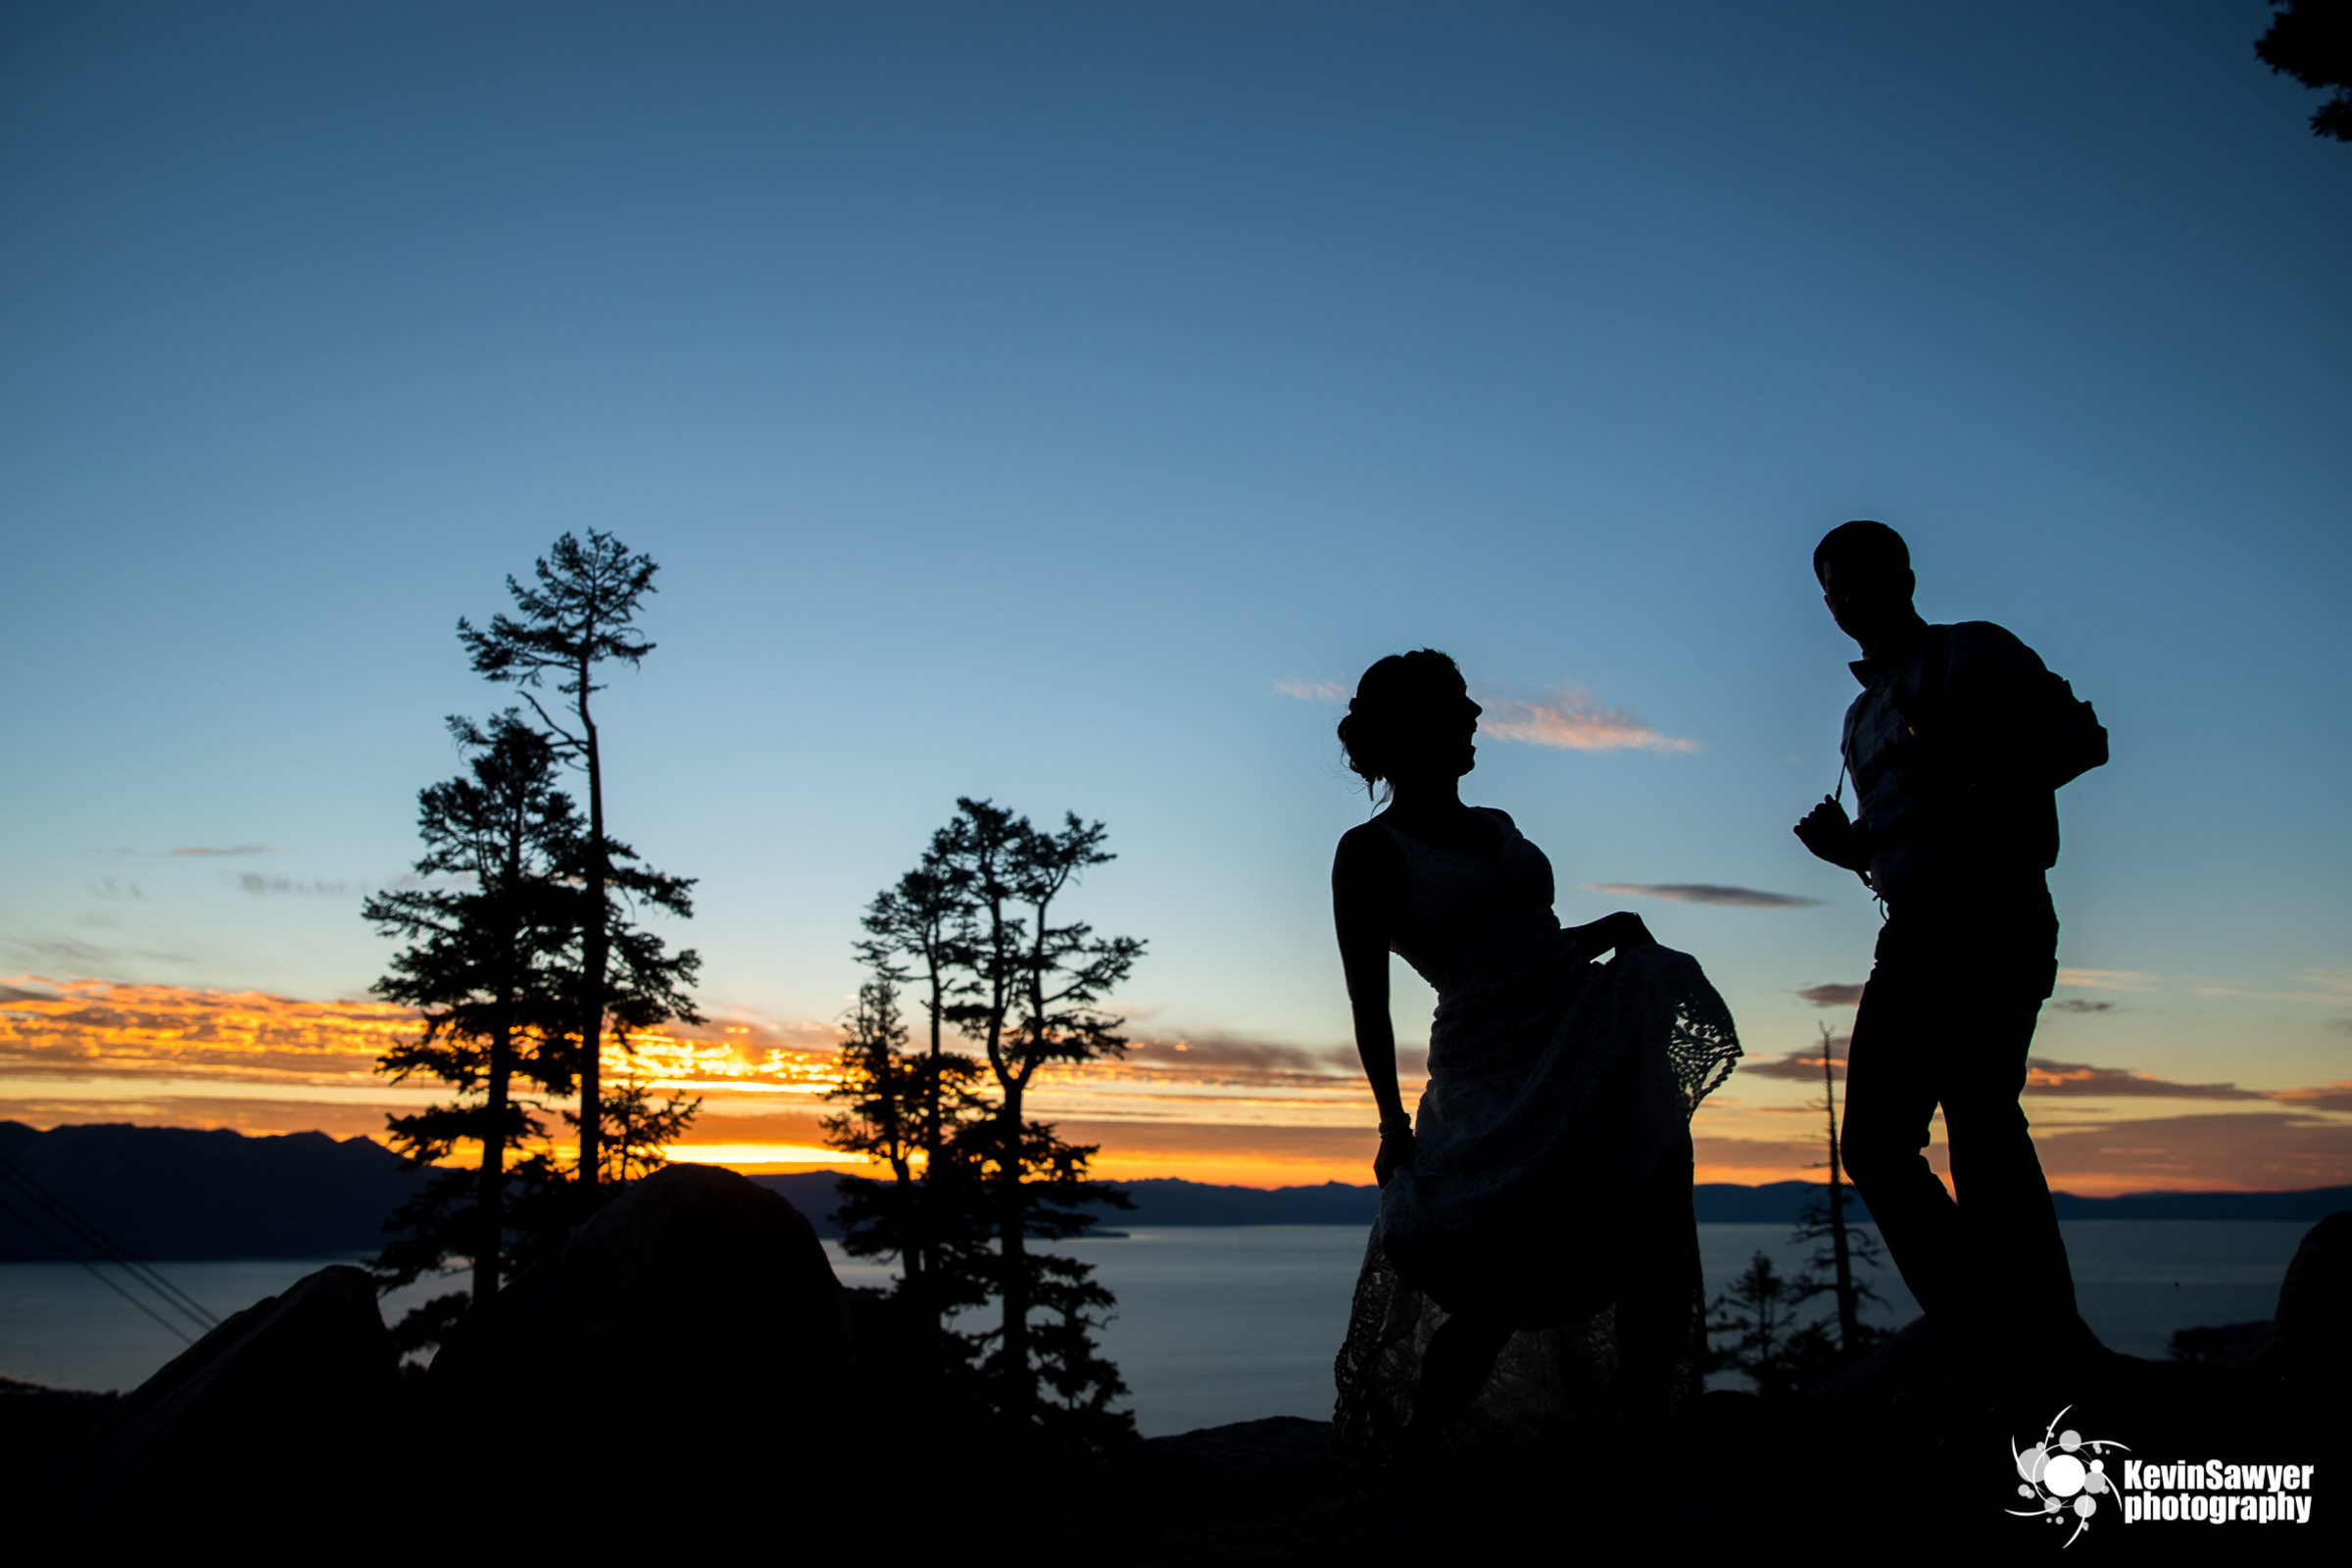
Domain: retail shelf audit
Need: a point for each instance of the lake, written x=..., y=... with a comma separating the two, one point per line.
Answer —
x=1227, y=1323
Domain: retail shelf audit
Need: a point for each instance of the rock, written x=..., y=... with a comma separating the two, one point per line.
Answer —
x=2311, y=1333
x=38, y=1424
x=282, y=1415
x=1917, y=1358
x=697, y=1307
x=1281, y=1450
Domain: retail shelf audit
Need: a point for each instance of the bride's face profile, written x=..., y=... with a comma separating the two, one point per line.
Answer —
x=1437, y=735
x=1411, y=724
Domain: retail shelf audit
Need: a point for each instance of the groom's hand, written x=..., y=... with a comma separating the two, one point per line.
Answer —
x=1825, y=831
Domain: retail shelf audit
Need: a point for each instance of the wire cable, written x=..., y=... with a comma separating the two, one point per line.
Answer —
x=106, y=1245
x=35, y=1226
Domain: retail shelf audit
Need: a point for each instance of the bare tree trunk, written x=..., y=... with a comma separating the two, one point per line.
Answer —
x=489, y=1197
x=594, y=955
x=1848, y=1315
x=1013, y=1256
x=918, y=1255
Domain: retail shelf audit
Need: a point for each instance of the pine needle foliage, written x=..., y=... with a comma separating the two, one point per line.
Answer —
x=489, y=933
x=979, y=926
x=575, y=616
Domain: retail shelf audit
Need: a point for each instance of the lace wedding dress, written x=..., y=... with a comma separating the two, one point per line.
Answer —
x=1549, y=1146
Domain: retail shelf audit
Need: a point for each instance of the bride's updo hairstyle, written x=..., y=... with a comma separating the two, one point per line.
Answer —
x=1392, y=695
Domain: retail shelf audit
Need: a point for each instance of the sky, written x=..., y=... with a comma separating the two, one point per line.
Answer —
x=1057, y=404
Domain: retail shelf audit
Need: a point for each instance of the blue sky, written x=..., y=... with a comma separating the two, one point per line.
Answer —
x=1015, y=395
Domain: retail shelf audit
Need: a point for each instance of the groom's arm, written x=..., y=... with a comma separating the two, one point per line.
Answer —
x=1825, y=831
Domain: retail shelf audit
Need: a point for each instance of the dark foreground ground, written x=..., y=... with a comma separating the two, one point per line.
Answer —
x=685, y=1372
x=1919, y=1479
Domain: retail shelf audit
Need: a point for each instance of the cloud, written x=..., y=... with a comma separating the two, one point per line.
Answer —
x=115, y=887
x=2323, y=986
x=240, y=849
x=1803, y=1065
x=2106, y=979
x=1832, y=995
x=1567, y=720
x=60, y=950
x=2080, y=1079
x=2079, y=1004
x=1708, y=892
x=1570, y=720
x=2340, y=1026
x=2333, y=1096
x=2059, y=1079
x=1238, y=1059
x=2264, y=1151
x=261, y=886
x=91, y=1027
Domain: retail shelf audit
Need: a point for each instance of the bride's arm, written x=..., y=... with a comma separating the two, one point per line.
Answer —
x=1624, y=929
x=1367, y=893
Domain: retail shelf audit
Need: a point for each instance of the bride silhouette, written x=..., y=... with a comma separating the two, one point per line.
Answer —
x=1535, y=1266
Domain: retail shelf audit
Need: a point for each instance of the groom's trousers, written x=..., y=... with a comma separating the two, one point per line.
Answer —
x=1947, y=1019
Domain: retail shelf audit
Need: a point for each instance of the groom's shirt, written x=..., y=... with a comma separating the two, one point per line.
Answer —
x=1942, y=745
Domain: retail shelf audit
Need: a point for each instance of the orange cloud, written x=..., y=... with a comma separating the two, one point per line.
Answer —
x=1212, y=1108
x=2213, y=1151
x=81, y=1026
x=1571, y=720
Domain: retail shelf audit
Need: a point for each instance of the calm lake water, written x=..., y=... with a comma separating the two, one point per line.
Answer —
x=1221, y=1324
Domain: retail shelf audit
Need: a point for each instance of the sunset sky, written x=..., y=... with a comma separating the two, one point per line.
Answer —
x=1061, y=404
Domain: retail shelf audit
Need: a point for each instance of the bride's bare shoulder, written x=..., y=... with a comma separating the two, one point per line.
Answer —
x=1365, y=849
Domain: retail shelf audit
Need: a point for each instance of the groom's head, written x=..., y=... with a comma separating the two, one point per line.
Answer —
x=1865, y=574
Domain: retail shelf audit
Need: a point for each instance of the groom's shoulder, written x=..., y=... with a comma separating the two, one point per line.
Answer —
x=1985, y=643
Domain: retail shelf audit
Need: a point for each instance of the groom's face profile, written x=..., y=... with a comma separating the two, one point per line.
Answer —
x=1865, y=597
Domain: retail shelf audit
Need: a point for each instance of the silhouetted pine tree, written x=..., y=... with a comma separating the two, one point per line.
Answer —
x=639, y=1129
x=919, y=932
x=929, y=1208
x=1842, y=1247
x=976, y=922
x=580, y=614
x=645, y=986
x=1759, y=1311
x=1030, y=996
x=486, y=966
x=1781, y=1355
x=2311, y=41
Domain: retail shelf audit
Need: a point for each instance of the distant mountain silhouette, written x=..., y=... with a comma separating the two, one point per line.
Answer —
x=176, y=1192
x=1170, y=1202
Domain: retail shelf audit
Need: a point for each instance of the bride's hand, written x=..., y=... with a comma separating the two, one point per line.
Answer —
x=1396, y=1153
x=1630, y=931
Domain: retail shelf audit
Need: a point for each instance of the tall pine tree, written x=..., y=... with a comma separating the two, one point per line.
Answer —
x=1031, y=995
x=918, y=932
x=488, y=935
x=979, y=925
x=578, y=614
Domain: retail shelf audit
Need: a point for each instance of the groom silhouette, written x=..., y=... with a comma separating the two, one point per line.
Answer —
x=1956, y=746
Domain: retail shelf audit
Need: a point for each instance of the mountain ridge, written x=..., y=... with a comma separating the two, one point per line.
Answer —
x=183, y=1194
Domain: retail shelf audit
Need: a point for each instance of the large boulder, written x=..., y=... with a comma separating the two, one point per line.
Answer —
x=278, y=1419
x=2311, y=1333
x=697, y=1305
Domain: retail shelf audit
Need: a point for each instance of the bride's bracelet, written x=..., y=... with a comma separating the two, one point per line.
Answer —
x=1396, y=1126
